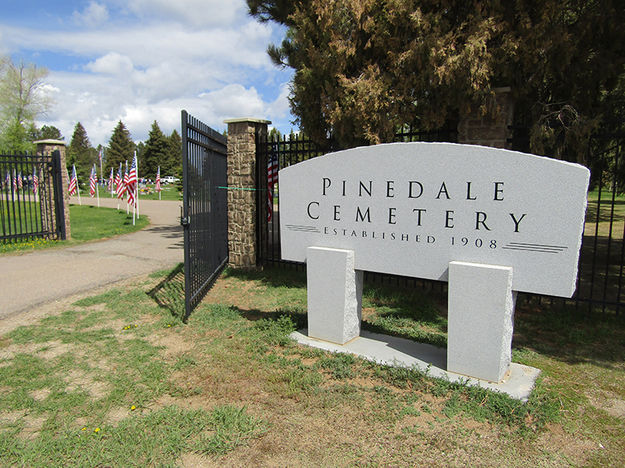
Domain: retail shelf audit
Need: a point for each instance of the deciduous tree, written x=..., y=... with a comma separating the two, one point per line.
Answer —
x=21, y=101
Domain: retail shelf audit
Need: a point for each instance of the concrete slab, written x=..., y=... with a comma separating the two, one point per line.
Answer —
x=400, y=352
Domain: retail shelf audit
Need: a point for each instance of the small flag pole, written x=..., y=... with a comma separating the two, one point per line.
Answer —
x=137, y=185
x=97, y=190
x=134, y=189
x=101, y=177
x=159, y=182
x=127, y=199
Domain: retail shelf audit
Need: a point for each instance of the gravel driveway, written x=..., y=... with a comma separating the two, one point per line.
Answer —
x=43, y=276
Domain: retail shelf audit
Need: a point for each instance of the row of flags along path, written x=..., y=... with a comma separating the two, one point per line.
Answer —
x=123, y=185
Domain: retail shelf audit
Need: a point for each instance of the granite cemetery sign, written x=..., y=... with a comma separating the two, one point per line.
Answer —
x=489, y=221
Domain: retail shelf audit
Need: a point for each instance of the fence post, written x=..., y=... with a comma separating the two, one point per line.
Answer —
x=242, y=186
x=58, y=187
x=492, y=129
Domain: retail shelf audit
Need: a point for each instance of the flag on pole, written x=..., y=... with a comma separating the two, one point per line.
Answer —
x=158, y=180
x=73, y=182
x=119, y=180
x=131, y=184
x=111, y=182
x=126, y=189
x=20, y=183
x=35, y=181
x=272, y=178
x=126, y=177
x=92, y=182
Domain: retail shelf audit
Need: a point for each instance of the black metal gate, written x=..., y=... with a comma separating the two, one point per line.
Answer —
x=205, y=208
x=31, y=197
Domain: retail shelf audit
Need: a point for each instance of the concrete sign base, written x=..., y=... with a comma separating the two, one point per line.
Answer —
x=400, y=352
x=334, y=294
x=480, y=320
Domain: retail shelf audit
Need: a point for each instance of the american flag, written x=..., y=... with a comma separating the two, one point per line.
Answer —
x=20, y=182
x=14, y=181
x=35, y=181
x=272, y=178
x=92, y=182
x=119, y=181
x=111, y=181
x=130, y=180
x=158, y=180
x=73, y=182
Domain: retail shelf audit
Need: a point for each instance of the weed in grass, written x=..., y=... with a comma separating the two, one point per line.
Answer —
x=400, y=376
x=172, y=431
x=230, y=427
x=293, y=382
x=410, y=411
x=339, y=365
x=184, y=361
x=275, y=332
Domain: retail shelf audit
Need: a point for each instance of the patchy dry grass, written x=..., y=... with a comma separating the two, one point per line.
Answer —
x=118, y=380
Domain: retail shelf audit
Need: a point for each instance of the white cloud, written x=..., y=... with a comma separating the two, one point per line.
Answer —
x=205, y=56
x=93, y=15
x=202, y=13
x=111, y=64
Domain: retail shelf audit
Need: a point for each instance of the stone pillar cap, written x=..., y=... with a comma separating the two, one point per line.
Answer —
x=247, y=119
x=50, y=142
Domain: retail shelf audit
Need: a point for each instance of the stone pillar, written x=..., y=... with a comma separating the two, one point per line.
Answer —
x=334, y=294
x=480, y=320
x=241, y=190
x=48, y=147
x=492, y=129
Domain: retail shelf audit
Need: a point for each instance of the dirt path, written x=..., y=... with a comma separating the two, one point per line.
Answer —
x=44, y=276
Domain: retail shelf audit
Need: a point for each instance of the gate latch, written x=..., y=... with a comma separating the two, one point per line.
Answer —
x=184, y=221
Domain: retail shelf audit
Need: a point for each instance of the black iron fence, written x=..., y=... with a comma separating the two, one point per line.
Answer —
x=205, y=207
x=600, y=273
x=31, y=197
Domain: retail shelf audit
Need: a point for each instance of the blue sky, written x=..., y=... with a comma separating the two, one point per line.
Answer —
x=145, y=60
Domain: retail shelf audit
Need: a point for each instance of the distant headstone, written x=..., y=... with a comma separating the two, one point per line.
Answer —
x=459, y=213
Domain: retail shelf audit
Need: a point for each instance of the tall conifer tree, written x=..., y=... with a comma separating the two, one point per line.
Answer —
x=156, y=152
x=175, y=155
x=81, y=153
x=121, y=148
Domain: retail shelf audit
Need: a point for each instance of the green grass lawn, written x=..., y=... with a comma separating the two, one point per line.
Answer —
x=169, y=192
x=87, y=223
x=118, y=379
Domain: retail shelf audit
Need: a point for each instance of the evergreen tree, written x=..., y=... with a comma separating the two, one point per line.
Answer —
x=50, y=132
x=174, y=160
x=81, y=153
x=363, y=68
x=120, y=149
x=156, y=152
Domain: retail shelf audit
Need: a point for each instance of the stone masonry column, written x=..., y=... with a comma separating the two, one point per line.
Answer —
x=241, y=190
x=493, y=128
x=48, y=147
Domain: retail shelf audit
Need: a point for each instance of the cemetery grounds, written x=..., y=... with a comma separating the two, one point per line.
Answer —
x=114, y=377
